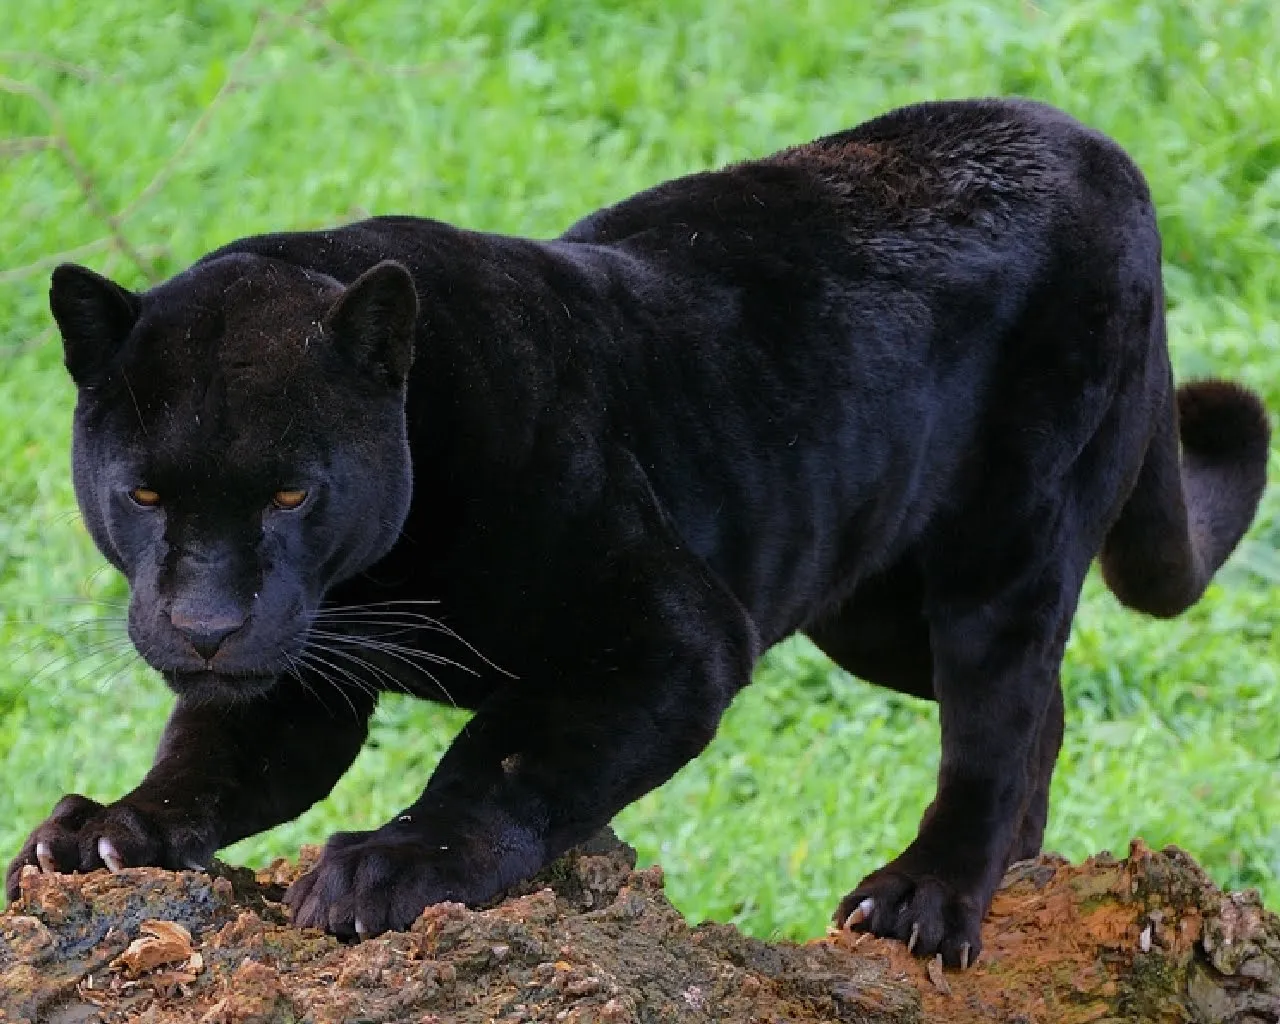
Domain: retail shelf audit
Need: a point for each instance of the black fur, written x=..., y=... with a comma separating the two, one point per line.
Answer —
x=896, y=388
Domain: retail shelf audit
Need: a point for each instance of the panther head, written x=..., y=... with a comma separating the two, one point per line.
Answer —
x=239, y=446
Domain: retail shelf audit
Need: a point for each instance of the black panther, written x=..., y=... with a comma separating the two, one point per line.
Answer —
x=895, y=388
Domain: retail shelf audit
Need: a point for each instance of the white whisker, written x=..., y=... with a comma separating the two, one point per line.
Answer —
x=310, y=661
x=378, y=643
x=386, y=614
x=358, y=642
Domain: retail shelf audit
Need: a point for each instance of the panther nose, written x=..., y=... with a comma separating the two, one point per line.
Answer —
x=205, y=633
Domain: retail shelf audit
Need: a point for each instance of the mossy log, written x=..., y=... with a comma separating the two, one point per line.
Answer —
x=1146, y=938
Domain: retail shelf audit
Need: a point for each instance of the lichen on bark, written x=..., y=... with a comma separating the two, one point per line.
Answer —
x=1145, y=938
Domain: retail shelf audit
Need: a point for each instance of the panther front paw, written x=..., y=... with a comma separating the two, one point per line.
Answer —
x=366, y=883
x=84, y=835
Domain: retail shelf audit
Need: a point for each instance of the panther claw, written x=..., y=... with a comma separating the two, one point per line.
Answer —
x=915, y=935
x=110, y=856
x=45, y=856
x=964, y=957
x=859, y=914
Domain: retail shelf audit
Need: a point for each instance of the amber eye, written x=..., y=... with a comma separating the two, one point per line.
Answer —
x=145, y=497
x=288, y=500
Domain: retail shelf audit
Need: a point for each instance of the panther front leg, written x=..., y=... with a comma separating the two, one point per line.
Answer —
x=221, y=772
x=647, y=662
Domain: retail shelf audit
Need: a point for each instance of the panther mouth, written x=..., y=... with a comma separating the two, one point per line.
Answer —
x=211, y=685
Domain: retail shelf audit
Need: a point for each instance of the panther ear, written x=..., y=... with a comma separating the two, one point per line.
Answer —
x=94, y=314
x=373, y=322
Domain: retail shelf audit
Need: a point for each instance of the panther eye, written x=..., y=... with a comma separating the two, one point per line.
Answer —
x=288, y=500
x=145, y=497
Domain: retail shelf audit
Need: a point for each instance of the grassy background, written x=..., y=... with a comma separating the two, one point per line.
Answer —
x=192, y=123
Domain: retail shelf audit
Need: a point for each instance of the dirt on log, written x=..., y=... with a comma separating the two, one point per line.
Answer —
x=1147, y=938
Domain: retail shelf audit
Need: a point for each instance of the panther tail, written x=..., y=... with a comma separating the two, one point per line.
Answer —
x=1189, y=508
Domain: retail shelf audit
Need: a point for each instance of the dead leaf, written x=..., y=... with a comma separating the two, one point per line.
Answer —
x=162, y=942
x=169, y=983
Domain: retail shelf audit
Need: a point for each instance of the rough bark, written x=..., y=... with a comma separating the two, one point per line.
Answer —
x=1146, y=938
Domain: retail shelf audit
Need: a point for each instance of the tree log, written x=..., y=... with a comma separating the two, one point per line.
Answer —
x=1147, y=938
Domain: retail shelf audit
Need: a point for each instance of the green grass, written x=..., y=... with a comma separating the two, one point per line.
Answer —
x=520, y=117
